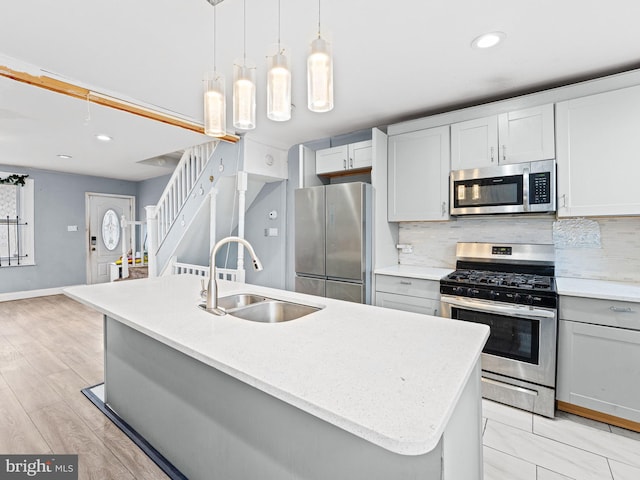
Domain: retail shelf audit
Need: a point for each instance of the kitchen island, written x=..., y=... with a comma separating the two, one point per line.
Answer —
x=350, y=391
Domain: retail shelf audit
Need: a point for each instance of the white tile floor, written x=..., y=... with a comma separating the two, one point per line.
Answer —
x=521, y=446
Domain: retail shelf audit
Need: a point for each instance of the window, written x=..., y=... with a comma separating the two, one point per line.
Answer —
x=16, y=224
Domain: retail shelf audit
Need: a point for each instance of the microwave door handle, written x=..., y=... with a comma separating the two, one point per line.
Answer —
x=525, y=189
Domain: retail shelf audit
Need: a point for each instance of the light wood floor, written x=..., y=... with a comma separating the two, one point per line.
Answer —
x=51, y=348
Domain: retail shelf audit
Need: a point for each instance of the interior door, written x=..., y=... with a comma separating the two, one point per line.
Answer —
x=104, y=233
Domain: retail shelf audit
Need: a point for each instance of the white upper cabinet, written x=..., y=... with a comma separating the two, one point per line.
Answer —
x=474, y=143
x=514, y=137
x=599, y=154
x=355, y=156
x=419, y=175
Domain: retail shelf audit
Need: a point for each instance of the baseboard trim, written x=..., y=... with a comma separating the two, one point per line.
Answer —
x=599, y=416
x=7, y=297
x=165, y=465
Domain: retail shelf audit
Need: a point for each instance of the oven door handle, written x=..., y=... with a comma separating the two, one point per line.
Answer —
x=511, y=310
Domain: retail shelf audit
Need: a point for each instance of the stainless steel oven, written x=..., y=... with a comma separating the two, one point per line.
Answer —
x=512, y=292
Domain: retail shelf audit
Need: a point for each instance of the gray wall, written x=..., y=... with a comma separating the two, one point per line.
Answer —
x=148, y=193
x=60, y=201
x=270, y=250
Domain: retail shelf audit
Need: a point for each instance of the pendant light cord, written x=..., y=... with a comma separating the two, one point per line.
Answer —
x=318, y=18
x=244, y=33
x=214, y=40
x=279, y=18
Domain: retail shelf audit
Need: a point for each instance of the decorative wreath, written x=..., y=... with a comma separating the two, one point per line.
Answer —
x=17, y=180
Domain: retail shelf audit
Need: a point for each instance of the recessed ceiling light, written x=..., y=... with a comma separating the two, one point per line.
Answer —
x=103, y=138
x=488, y=40
x=63, y=155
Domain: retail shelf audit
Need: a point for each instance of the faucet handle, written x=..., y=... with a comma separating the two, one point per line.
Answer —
x=203, y=291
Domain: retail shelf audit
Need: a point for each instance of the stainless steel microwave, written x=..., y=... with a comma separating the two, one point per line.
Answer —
x=513, y=188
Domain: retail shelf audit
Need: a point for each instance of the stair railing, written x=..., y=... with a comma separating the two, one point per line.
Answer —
x=180, y=186
x=162, y=216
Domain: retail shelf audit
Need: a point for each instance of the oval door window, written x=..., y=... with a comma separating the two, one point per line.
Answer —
x=110, y=229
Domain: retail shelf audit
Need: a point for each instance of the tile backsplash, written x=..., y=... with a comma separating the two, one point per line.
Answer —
x=597, y=248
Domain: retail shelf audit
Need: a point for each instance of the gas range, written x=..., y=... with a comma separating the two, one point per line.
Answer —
x=508, y=287
x=511, y=288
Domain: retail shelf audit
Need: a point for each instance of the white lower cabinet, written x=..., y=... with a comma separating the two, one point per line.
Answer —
x=599, y=356
x=408, y=294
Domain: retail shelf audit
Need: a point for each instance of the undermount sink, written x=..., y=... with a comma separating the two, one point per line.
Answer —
x=258, y=308
x=273, y=311
x=240, y=300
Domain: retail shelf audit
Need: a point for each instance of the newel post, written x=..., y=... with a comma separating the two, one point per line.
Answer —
x=152, y=239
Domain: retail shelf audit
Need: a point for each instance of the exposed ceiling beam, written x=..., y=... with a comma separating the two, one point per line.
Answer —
x=83, y=93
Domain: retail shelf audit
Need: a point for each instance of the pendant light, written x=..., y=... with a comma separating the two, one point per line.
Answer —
x=279, y=84
x=244, y=87
x=215, y=107
x=320, y=74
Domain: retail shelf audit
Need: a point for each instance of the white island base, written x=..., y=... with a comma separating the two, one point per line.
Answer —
x=347, y=392
x=213, y=426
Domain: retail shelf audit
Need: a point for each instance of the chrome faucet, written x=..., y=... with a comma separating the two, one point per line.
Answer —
x=212, y=288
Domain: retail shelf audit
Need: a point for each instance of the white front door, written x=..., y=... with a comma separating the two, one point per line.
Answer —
x=104, y=232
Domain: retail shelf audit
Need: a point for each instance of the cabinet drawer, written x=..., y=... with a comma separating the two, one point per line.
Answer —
x=407, y=303
x=610, y=313
x=416, y=287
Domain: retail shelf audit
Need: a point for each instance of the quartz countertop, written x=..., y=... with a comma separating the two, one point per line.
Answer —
x=414, y=271
x=604, y=289
x=392, y=378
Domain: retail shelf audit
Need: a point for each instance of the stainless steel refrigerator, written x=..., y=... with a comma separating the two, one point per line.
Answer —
x=333, y=225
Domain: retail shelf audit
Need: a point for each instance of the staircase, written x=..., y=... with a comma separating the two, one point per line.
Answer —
x=205, y=200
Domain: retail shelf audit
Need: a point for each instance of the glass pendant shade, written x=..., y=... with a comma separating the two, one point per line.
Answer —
x=279, y=89
x=320, y=77
x=244, y=97
x=215, y=109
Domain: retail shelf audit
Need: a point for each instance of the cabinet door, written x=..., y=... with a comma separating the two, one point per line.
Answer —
x=526, y=135
x=360, y=155
x=599, y=368
x=597, y=154
x=474, y=143
x=406, y=303
x=331, y=160
x=419, y=175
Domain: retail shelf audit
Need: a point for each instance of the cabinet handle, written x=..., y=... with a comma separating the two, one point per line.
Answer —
x=621, y=309
x=564, y=200
x=405, y=282
x=344, y=163
x=351, y=163
x=435, y=312
x=491, y=154
x=444, y=208
x=504, y=153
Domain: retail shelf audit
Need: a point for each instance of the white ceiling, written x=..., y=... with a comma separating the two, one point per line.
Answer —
x=392, y=61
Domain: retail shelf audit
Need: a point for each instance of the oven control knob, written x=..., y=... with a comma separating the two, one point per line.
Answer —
x=459, y=290
x=528, y=300
x=473, y=292
x=517, y=298
x=492, y=295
